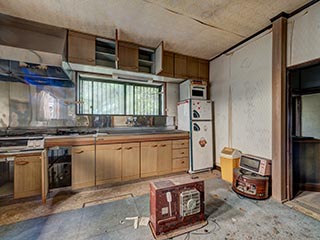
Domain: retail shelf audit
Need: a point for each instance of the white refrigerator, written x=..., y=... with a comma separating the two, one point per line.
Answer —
x=195, y=116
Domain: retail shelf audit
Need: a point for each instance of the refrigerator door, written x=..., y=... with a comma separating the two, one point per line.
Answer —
x=201, y=110
x=184, y=115
x=201, y=146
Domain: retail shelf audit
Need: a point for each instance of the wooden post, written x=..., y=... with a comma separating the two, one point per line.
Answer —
x=279, y=55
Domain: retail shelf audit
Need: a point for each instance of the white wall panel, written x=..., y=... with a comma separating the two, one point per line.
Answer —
x=241, y=88
x=304, y=36
x=251, y=91
x=219, y=89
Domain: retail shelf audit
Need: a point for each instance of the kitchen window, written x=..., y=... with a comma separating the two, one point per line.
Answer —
x=109, y=97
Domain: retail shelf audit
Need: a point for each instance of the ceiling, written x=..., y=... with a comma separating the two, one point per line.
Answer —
x=198, y=28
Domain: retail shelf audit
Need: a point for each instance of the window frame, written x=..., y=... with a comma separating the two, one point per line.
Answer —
x=94, y=78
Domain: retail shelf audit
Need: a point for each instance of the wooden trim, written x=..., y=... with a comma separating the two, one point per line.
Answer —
x=305, y=64
x=279, y=164
x=309, y=187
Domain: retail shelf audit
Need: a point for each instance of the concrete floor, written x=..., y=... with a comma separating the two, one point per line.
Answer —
x=229, y=216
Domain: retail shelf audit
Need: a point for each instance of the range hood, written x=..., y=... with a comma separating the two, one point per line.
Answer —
x=32, y=53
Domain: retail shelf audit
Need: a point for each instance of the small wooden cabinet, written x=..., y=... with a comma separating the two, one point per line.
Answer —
x=81, y=48
x=180, y=155
x=128, y=56
x=193, y=68
x=83, y=172
x=180, y=66
x=108, y=163
x=130, y=161
x=168, y=64
x=203, y=69
x=156, y=158
x=27, y=176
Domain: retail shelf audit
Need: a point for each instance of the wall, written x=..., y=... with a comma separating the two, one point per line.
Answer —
x=310, y=116
x=241, y=91
x=304, y=36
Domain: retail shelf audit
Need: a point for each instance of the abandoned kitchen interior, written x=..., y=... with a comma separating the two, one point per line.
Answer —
x=148, y=119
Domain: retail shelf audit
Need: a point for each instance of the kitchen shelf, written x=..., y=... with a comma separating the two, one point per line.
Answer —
x=105, y=52
x=146, y=60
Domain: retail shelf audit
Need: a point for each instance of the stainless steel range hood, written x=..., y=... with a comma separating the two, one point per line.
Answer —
x=32, y=52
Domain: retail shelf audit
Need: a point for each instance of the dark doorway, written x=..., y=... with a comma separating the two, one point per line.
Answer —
x=304, y=129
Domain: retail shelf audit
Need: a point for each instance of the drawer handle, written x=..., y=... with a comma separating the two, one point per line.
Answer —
x=182, y=162
x=154, y=145
x=119, y=148
x=90, y=60
x=128, y=148
x=22, y=162
x=182, y=143
x=182, y=152
x=100, y=139
x=163, y=145
x=79, y=152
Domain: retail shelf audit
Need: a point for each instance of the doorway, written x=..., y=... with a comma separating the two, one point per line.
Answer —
x=304, y=135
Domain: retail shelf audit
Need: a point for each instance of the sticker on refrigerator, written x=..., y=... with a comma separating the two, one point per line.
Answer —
x=202, y=142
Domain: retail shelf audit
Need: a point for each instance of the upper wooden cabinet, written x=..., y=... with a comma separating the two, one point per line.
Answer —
x=167, y=64
x=203, y=69
x=192, y=67
x=128, y=56
x=27, y=176
x=81, y=48
x=180, y=66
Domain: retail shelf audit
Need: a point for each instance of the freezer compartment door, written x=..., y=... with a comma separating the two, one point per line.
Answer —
x=202, y=145
x=201, y=110
x=184, y=115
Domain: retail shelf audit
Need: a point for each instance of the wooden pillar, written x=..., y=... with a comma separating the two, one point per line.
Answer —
x=279, y=55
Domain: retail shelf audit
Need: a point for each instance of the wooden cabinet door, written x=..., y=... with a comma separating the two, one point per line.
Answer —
x=168, y=64
x=108, y=163
x=128, y=56
x=130, y=161
x=180, y=66
x=83, y=171
x=27, y=176
x=149, y=156
x=81, y=48
x=164, y=157
x=193, y=68
x=203, y=70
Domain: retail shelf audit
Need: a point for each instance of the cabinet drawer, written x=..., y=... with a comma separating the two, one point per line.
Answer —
x=180, y=164
x=180, y=144
x=180, y=153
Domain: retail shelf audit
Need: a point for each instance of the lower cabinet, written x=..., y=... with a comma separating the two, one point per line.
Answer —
x=108, y=163
x=83, y=172
x=27, y=176
x=156, y=158
x=130, y=161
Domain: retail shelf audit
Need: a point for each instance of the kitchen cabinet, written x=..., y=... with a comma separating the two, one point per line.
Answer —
x=27, y=176
x=168, y=64
x=83, y=171
x=164, y=160
x=44, y=176
x=81, y=48
x=130, y=161
x=192, y=68
x=180, y=66
x=203, y=69
x=180, y=155
x=128, y=56
x=108, y=163
x=156, y=158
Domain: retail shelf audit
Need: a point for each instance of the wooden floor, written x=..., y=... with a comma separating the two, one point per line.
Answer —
x=69, y=200
x=308, y=203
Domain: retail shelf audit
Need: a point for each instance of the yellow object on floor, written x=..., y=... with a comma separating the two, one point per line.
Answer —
x=229, y=159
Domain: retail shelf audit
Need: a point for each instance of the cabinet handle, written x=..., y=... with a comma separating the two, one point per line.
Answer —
x=22, y=162
x=163, y=145
x=119, y=148
x=90, y=60
x=100, y=139
x=182, y=152
x=128, y=148
x=182, y=143
x=79, y=152
x=154, y=145
x=182, y=162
